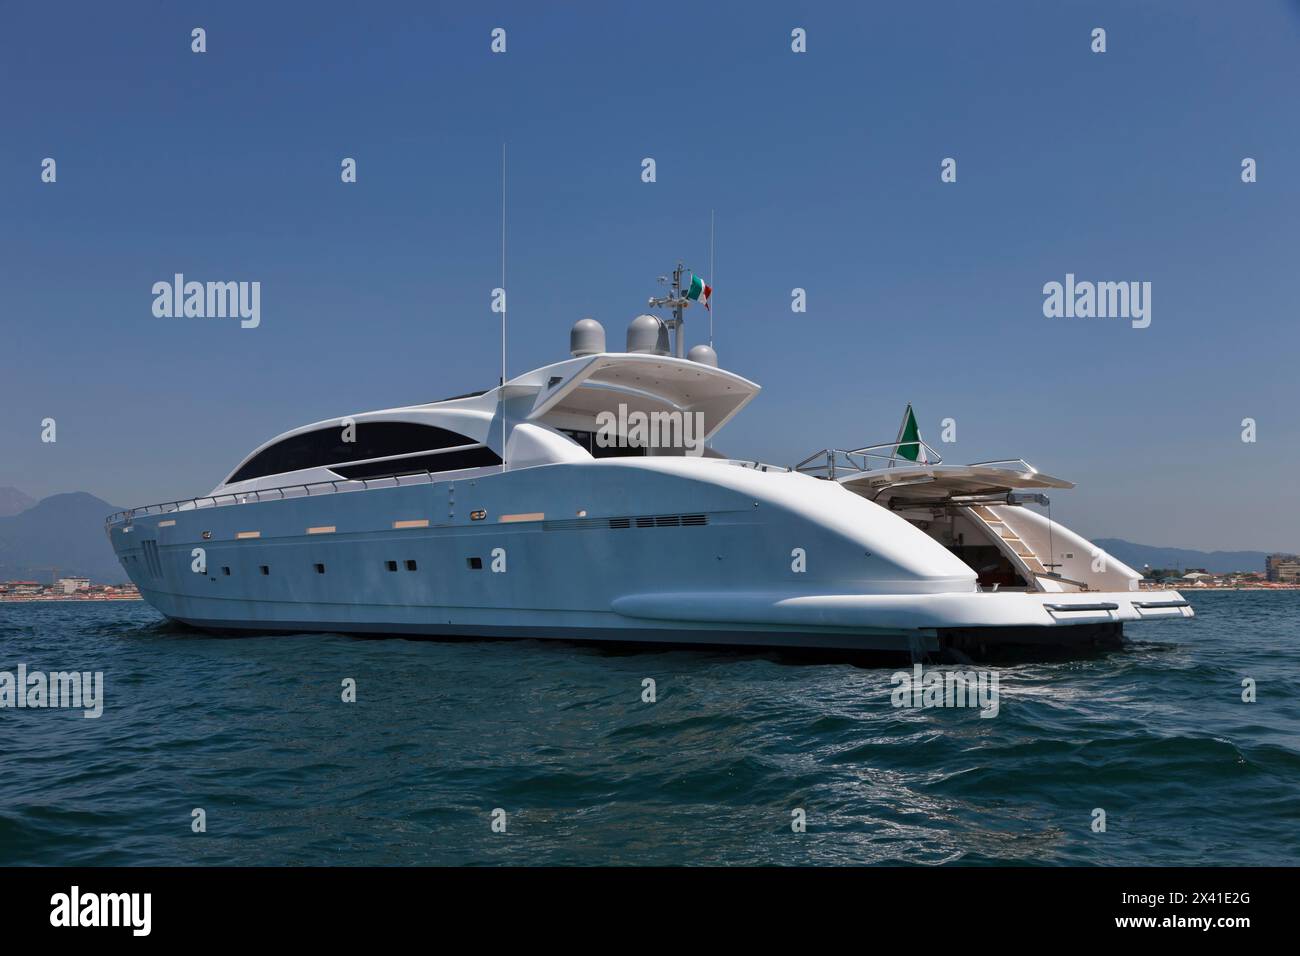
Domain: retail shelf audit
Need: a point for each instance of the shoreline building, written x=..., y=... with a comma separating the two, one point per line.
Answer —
x=1282, y=568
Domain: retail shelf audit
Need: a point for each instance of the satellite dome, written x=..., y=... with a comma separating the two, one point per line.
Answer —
x=587, y=337
x=703, y=354
x=648, y=333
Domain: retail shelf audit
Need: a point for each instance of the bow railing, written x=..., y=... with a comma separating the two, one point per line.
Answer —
x=299, y=490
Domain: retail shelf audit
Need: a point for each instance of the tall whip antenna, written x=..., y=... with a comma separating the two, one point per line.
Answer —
x=713, y=277
x=504, y=464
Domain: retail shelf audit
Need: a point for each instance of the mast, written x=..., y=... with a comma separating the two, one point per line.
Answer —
x=504, y=464
x=677, y=300
x=679, y=305
x=898, y=439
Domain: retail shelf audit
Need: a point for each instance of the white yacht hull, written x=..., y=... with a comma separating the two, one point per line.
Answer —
x=644, y=550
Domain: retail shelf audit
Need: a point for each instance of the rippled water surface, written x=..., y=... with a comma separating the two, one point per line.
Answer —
x=253, y=730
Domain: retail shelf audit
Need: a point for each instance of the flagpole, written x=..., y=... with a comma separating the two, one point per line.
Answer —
x=713, y=282
x=902, y=427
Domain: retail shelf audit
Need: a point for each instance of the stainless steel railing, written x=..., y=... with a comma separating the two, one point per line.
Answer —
x=299, y=490
x=1020, y=463
x=756, y=465
x=830, y=461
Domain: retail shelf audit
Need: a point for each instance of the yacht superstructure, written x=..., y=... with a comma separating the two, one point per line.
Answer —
x=550, y=507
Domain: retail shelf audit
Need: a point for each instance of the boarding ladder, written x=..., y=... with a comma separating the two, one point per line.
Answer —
x=1021, y=556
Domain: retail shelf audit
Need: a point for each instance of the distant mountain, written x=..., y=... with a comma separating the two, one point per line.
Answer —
x=64, y=532
x=13, y=501
x=1216, y=562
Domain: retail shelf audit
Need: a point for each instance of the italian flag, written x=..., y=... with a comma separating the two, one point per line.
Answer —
x=909, y=439
x=699, y=292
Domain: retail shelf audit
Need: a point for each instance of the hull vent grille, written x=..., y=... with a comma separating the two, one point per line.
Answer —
x=660, y=521
x=151, y=560
x=640, y=521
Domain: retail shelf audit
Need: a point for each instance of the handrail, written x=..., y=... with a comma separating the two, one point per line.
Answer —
x=1099, y=606
x=1024, y=465
x=756, y=465
x=857, y=460
x=258, y=495
x=831, y=456
x=932, y=456
x=830, y=461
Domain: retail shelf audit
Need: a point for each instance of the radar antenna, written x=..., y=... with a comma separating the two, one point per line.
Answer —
x=677, y=301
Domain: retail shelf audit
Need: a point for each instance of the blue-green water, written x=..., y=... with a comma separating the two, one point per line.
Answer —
x=254, y=731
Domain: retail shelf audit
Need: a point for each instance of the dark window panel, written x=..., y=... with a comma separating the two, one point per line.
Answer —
x=325, y=446
x=418, y=464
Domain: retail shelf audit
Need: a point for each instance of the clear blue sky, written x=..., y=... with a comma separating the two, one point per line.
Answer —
x=823, y=169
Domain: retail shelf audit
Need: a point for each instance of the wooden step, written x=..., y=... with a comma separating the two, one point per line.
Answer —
x=1010, y=540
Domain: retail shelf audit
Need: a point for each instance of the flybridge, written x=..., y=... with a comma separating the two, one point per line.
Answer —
x=644, y=380
x=573, y=394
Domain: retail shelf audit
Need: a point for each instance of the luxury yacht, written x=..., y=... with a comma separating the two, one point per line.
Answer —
x=585, y=501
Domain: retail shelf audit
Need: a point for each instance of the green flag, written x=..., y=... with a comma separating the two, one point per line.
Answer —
x=698, y=291
x=909, y=439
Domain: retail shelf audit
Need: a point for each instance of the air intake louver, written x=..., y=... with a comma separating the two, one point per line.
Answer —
x=149, y=547
x=660, y=521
